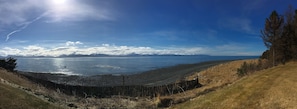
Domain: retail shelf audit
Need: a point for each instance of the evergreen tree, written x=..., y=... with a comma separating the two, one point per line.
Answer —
x=294, y=37
x=272, y=33
x=286, y=47
x=8, y=64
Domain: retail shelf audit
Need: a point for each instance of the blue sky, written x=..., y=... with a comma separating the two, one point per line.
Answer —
x=120, y=27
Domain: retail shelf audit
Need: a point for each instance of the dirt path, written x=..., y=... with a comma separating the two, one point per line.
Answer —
x=272, y=88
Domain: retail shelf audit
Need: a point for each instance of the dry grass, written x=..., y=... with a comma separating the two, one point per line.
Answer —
x=17, y=99
x=219, y=75
x=18, y=92
x=273, y=88
x=212, y=78
x=12, y=95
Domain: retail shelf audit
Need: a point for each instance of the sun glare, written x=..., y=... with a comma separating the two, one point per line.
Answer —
x=60, y=9
x=59, y=2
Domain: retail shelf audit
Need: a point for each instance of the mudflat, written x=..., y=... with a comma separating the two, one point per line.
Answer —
x=155, y=77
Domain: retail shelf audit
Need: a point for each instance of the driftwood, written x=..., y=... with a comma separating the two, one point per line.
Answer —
x=108, y=91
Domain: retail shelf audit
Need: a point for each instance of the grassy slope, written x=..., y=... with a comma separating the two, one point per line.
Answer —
x=211, y=79
x=11, y=97
x=272, y=88
x=15, y=98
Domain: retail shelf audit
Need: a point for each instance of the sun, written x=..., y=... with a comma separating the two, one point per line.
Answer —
x=59, y=2
x=60, y=9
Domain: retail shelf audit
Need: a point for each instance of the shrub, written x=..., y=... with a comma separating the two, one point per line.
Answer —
x=247, y=68
x=242, y=70
x=8, y=63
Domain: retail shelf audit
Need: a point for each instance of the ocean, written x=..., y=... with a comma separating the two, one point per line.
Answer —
x=88, y=66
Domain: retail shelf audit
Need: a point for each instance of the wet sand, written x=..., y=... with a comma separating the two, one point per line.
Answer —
x=156, y=77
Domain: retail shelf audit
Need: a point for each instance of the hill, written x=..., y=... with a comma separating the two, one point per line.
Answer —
x=15, y=92
x=272, y=88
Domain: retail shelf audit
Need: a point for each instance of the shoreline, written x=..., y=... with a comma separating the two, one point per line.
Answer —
x=210, y=79
x=157, y=77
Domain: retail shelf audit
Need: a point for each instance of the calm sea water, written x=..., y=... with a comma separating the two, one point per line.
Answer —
x=110, y=65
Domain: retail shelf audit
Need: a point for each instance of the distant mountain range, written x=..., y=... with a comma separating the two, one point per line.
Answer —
x=105, y=55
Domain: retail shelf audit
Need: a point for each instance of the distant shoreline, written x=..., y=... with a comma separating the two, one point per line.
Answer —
x=90, y=66
x=161, y=76
x=101, y=55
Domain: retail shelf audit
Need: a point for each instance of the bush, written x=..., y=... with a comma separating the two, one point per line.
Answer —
x=247, y=68
x=242, y=70
x=8, y=64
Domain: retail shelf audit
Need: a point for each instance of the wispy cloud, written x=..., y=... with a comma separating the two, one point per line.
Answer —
x=238, y=24
x=16, y=11
x=23, y=26
x=19, y=13
x=253, y=5
x=199, y=36
x=237, y=49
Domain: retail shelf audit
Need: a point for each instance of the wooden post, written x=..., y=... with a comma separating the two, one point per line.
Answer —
x=123, y=80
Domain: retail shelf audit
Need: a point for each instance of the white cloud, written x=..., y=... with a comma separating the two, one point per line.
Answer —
x=9, y=51
x=70, y=47
x=70, y=43
x=73, y=47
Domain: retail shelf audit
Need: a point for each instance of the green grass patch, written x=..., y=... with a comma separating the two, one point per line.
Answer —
x=13, y=98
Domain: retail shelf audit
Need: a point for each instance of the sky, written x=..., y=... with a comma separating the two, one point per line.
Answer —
x=121, y=27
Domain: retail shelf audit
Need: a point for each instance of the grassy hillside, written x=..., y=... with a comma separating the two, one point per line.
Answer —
x=272, y=88
x=17, y=92
x=13, y=95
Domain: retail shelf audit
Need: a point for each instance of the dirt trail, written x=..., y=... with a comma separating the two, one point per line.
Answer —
x=272, y=88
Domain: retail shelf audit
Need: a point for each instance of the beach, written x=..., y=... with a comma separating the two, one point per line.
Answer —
x=157, y=77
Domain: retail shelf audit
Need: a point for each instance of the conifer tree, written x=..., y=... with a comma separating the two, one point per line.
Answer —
x=294, y=37
x=272, y=33
x=286, y=42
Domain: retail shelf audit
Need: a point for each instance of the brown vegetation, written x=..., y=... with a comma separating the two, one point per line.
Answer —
x=18, y=92
x=273, y=88
x=211, y=79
